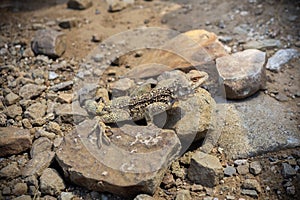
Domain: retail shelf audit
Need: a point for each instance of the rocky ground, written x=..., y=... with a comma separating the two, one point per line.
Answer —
x=254, y=152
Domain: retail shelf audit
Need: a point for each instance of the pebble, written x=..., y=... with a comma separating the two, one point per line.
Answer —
x=98, y=57
x=243, y=169
x=23, y=197
x=229, y=197
x=62, y=86
x=291, y=190
x=40, y=145
x=6, y=191
x=240, y=162
x=116, y=5
x=288, y=171
x=281, y=97
x=67, y=196
x=143, y=197
x=65, y=98
x=255, y=168
x=3, y=119
x=26, y=123
x=30, y=91
x=20, y=189
x=168, y=181
x=10, y=171
x=79, y=4
x=68, y=23
x=183, y=195
x=55, y=128
x=251, y=193
x=36, y=111
x=11, y=98
x=251, y=184
x=229, y=171
x=50, y=182
x=52, y=75
x=263, y=44
x=13, y=111
x=280, y=58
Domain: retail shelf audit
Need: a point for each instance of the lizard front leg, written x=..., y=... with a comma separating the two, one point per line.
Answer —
x=100, y=129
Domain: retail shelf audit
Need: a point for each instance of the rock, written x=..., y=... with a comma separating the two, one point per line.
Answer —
x=255, y=168
x=229, y=171
x=67, y=196
x=291, y=191
x=118, y=5
x=36, y=111
x=122, y=87
x=183, y=195
x=23, y=197
x=243, y=169
x=30, y=91
x=280, y=58
x=79, y=4
x=50, y=182
x=40, y=145
x=55, y=128
x=205, y=169
x=68, y=23
x=3, y=119
x=42, y=133
x=49, y=42
x=62, y=86
x=10, y=171
x=20, y=189
x=38, y=164
x=6, y=191
x=263, y=44
x=11, y=98
x=13, y=111
x=242, y=73
x=143, y=197
x=123, y=164
x=251, y=184
x=26, y=123
x=288, y=171
x=240, y=162
x=65, y=98
x=70, y=113
x=229, y=197
x=52, y=75
x=251, y=193
x=168, y=181
x=281, y=97
x=13, y=141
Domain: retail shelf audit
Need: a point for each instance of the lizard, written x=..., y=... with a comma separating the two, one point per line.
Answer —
x=144, y=106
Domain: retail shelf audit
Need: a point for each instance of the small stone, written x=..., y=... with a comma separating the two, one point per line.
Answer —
x=11, y=98
x=251, y=184
x=70, y=113
x=243, y=169
x=52, y=75
x=197, y=188
x=240, y=162
x=262, y=44
x=30, y=91
x=280, y=58
x=183, y=195
x=68, y=23
x=6, y=191
x=23, y=197
x=118, y=5
x=13, y=141
x=26, y=123
x=297, y=44
x=62, y=86
x=40, y=145
x=55, y=128
x=98, y=57
x=79, y=4
x=251, y=193
x=229, y=171
x=10, y=171
x=19, y=189
x=66, y=196
x=205, y=169
x=36, y=111
x=255, y=168
x=3, y=119
x=49, y=42
x=65, y=98
x=121, y=87
x=51, y=183
x=38, y=122
x=143, y=197
x=288, y=171
x=229, y=197
x=13, y=111
x=168, y=181
x=291, y=191
x=225, y=39
x=281, y=97
x=242, y=73
x=96, y=38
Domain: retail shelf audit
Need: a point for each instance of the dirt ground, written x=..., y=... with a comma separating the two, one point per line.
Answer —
x=277, y=19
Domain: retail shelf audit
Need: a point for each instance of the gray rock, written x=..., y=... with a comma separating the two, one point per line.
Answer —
x=65, y=98
x=52, y=75
x=36, y=111
x=23, y=197
x=20, y=189
x=118, y=5
x=13, y=111
x=30, y=91
x=122, y=87
x=62, y=86
x=134, y=162
x=288, y=171
x=11, y=98
x=3, y=119
x=40, y=145
x=229, y=197
x=291, y=191
x=26, y=123
x=143, y=197
x=10, y=171
x=251, y=193
x=183, y=195
x=243, y=169
x=242, y=73
x=67, y=196
x=255, y=167
x=13, y=141
x=55, y=128
x=71, y=113
x=168, y=181
x=263, y=44
x=68, y=23
x=38, y=164
x=51, y=183
x=42, y=133
x=229, y=171
x=49, y=42
x=240, y=162
x=281, y=97
x=205, y=169
x=6, y=191
x=79, y=4
x=252, y=184
x=98, y=57
x=280, y=58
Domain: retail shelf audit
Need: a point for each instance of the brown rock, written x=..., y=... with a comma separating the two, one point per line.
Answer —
x=49, y=42
x=30, y=91
x=51, y=183
x=79, y=4
x=13, y=141
x=13, y=111
x=242, y=73
x=40, y=145
x=19, y=189
x=117, y=5
x=36, y=111
x=68, y=23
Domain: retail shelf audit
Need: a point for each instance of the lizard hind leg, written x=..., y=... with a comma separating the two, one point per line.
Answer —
x=99, y=129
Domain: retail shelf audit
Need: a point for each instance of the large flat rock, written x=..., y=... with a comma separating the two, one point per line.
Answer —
x=258, y=125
